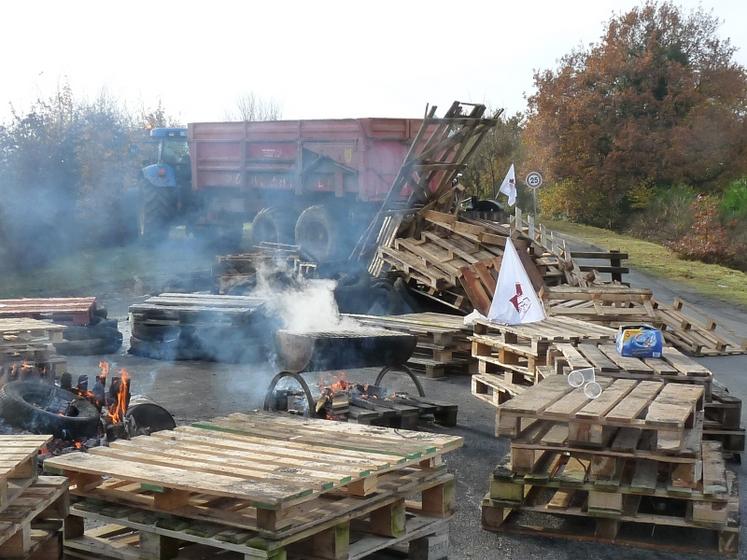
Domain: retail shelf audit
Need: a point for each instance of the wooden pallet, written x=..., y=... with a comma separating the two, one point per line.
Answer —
x=128, y=534
x=613, y=306
x=606, y=361
x=275, y=465
x=194, y=309
x=18, y=464
x=665, y=409
x=564, y=513
x=20, y=332
x=443, y=346
x=24, y=527
x=75, y=311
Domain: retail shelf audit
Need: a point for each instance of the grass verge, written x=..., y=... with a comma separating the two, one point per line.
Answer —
x=708, y=279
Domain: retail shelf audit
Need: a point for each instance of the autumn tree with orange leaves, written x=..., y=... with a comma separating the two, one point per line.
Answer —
x=658, y=101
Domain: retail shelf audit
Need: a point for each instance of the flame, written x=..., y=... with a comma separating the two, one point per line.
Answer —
x=103, y=368
x=338, y=382
x=78, y=445
x=118, y=408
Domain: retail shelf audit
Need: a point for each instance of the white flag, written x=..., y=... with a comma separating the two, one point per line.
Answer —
x=515, y=300
x=508, y=186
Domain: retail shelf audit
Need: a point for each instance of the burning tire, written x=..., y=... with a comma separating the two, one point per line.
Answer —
x=158, y=209
x=273, y=225
x=318, y=235
x=43, y=408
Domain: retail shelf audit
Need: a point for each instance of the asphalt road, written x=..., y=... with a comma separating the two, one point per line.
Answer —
x=195, y=390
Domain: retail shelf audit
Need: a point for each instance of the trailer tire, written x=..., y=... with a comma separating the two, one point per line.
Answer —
x=317, y=234
x=17, y=407
x=158, y=209
x=272, y=225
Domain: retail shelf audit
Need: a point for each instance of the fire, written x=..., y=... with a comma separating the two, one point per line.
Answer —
x=118, y=408
x=78, y=445
x=339, y=383
x=103, y=369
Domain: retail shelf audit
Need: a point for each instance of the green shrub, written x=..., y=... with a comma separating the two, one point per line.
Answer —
x=734, y=202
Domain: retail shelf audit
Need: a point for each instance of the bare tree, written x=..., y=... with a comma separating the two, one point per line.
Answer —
x=250, y=107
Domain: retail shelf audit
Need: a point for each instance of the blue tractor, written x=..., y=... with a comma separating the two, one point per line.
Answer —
x=166, y=184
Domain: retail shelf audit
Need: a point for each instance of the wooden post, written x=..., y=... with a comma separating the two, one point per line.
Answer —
x=73, y=526
x=332, y=544
x=439, y=500
x=615, y=262
x=389, y=521
x=157, y=547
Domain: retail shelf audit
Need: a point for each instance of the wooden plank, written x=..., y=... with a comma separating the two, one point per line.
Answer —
x=674, y=405
x=598, y=359
x=609, y=398
x=714, y=468
x=633, y=365
x=630, y=407
x=574, y=358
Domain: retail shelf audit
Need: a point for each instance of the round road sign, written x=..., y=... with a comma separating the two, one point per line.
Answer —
x=533, y=180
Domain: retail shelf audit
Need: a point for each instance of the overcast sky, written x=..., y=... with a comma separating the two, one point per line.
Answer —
x=316, y=59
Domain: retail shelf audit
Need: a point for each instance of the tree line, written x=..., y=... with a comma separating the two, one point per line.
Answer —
x=644, y=130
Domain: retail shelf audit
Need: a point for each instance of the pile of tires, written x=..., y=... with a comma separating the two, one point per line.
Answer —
x=101, y=336
x=214, y=344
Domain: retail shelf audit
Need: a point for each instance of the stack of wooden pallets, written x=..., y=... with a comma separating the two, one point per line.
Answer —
x=511, y=358
x=610, y=469
x=443, y=345
x=74, y=311
x=31, y=507
x=175, y=326
x=264, y=485
x=28, y=344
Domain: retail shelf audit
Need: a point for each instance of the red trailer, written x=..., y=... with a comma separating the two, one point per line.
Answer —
x=311, y=182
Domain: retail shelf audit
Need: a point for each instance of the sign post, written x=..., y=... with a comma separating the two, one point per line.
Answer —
x=534, y=182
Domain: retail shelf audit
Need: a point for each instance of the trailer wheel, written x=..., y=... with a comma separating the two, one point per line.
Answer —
x=273, y=225
x=317, y=233
x=157, y=211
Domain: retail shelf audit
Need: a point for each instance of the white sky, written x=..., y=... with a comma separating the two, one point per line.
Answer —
x=315, y=58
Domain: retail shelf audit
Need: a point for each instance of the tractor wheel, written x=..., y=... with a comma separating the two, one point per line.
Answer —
x=158, y=209
x=318, y=234
x=272, y=225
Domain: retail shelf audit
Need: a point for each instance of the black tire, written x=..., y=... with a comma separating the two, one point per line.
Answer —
x=273, y=225
x=90, y=347
x=20, y=405
x=318, y=234
x=100, y=330
x=155, y=333
x=158, y=210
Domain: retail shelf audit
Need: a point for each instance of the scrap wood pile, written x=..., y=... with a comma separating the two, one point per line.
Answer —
x=263, y=485
x=443, y=344
x=235, y=274
x=611, y=468
x=27, y=350
x=454, y=260
x=32, y=507
x=89, y=331
x=173, y=326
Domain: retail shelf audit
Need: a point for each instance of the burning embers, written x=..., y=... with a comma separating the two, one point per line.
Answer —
x=333, y=397
x=112, y=404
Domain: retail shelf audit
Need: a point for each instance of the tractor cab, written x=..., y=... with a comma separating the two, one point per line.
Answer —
x=172, y=167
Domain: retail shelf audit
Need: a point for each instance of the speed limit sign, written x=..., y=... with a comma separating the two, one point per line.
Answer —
x=533, y=180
